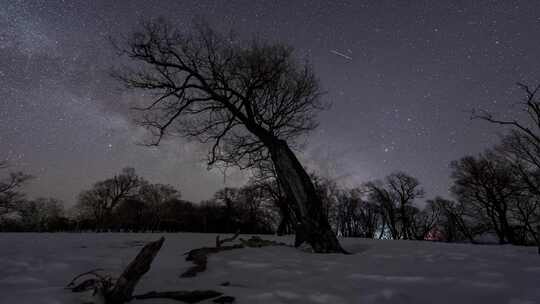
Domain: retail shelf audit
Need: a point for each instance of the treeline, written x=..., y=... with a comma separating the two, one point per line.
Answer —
x=127, y=202
x=493, y=202
x=491, y=199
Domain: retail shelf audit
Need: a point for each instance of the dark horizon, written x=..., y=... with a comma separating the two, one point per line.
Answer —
x=403, y=79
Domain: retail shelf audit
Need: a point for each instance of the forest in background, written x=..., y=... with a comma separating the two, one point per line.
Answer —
x=493, y=200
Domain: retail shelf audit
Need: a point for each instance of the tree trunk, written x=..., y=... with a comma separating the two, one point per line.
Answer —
x=313, y=226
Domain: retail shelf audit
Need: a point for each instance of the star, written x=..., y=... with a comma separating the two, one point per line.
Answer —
x=409, y=88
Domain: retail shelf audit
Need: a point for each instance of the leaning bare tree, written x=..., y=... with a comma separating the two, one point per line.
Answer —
x=249, y=100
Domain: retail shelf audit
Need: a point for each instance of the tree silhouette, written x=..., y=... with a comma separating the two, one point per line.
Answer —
x=107, y=194
x=10, y=195
x=521, y=148
x=155, y=196
x=488, y=188
x=395, y=196
x=248, y=100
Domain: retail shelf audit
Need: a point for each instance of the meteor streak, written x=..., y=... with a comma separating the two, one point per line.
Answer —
x=340, y=54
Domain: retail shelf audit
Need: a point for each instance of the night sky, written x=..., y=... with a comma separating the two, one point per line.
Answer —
x=403, y=77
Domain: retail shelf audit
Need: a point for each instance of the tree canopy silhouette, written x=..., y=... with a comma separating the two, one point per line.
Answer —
x=248, y=100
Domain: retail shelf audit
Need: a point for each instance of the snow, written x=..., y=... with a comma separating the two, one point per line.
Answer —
x=34, y=268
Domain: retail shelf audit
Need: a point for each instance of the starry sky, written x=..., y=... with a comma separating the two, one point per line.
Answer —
x=403, y=77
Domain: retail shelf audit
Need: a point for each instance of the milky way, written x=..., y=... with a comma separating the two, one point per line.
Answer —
x=403, y=77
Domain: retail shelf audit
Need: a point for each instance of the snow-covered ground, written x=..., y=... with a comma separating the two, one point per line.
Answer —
x=34, y=268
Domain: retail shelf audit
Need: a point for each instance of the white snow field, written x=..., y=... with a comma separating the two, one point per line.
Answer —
x=34, y=268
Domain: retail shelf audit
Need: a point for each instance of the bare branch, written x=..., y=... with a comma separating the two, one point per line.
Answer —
x=234, y=95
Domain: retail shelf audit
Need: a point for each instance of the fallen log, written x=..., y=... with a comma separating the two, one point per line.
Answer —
x=184, y=296
x=224, y=300
x=257, y=242
x=199, y=256
x=122, y=290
